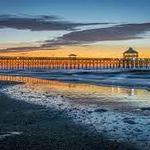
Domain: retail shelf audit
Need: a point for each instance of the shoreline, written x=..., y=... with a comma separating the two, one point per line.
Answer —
x=117, y=127
x=122, y=82
x=51, y=126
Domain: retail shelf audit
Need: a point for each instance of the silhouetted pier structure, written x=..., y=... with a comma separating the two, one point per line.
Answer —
x=130, y=60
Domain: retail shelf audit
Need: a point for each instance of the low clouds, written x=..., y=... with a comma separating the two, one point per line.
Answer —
x=20, y=49
x=118, y=32
x=49, y=44
x=28, y=48
x=39, y=23
x=74, y=37
x=115, y=33
x=59, y=42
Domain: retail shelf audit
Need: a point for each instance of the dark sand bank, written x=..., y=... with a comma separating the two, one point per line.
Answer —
x=40, y=128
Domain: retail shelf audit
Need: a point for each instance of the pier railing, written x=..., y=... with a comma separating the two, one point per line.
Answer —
x=30, y=63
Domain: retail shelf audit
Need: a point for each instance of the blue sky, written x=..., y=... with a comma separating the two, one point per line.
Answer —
x=82, y=10
x=69, y=12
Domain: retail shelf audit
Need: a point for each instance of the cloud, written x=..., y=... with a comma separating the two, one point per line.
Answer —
x=27, y=49
x=49, y=44
x=20, y=49
x=59, y=42
x=39, y=23
x=114, y=33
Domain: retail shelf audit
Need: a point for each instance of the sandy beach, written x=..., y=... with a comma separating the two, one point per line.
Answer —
x=55, y=115
x=28, y=126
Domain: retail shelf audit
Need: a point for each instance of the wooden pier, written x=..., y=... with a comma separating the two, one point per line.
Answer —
x=130, y=60
x=25, y=63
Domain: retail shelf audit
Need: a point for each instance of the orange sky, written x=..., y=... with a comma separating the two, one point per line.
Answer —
x=100, y=51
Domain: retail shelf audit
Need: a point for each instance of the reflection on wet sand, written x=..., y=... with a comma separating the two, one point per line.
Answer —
x=78, y=90
x=116, y=112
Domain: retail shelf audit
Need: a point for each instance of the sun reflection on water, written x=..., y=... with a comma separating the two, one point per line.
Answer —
x=78, y=90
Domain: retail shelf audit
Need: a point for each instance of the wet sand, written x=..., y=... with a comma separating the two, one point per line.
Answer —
x=25, y=126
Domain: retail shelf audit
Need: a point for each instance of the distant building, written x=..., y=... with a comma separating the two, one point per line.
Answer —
x=72, y=56
x=130, y=54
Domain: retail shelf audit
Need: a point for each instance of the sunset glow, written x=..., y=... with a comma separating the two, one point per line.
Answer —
x=58, y=29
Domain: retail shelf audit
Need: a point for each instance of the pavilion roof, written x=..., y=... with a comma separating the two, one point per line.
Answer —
x=72, y=55
x=131, y=50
